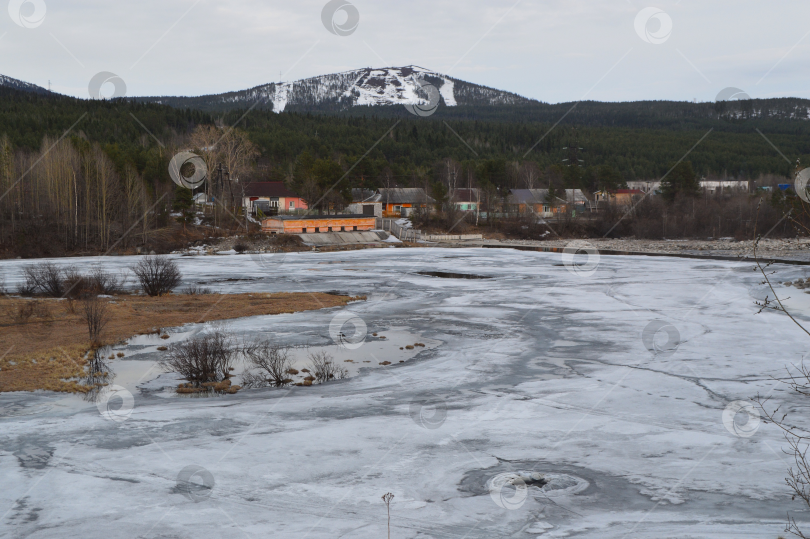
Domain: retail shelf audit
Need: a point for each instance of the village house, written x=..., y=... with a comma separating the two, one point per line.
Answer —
x=308, y=224
x=400, y=201
x=466, y=199
x=271, y=198
x=620, y=197
x=537, y=201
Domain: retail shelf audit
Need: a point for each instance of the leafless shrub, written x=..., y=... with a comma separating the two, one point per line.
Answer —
x=202, y=360
x=252, y=380
x=95, y=312
x=23, y=312
x=106, y=283
x=75, y=285
x=57, y=282
x=45, y=278
x=271, y=360
x=798, y=440
x=324, y=368
x=27, y=287
x=96, y=282
x=194, y=290
x=98, y=376
x=797, y=437
x=158, y=275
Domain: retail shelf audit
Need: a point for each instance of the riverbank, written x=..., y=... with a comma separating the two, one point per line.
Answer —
x=45, y=341
x=789, y=249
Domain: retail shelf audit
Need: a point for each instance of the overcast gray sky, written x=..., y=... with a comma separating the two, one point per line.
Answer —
x=551, y=50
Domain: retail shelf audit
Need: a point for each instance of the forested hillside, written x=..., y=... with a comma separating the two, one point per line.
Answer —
x=639, y=140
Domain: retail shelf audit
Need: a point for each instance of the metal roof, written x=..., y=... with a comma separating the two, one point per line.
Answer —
x=321, y=217
x=268, y=189
x=398, y=195
x=359, y=194
x=466, y=195
x=538, y=196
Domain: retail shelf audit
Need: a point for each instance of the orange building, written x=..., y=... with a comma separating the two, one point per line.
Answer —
x=395, y=200
x=310, y=224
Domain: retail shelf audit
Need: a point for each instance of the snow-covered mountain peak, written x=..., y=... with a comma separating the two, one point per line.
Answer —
x=386, y=86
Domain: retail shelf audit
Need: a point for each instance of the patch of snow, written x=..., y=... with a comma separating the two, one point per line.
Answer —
x=539, y=528
x=447, y=93
x=281, y=96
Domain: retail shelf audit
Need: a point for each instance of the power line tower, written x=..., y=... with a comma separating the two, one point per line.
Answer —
x=573, y=153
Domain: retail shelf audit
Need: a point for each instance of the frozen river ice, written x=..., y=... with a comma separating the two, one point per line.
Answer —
x=544, y=409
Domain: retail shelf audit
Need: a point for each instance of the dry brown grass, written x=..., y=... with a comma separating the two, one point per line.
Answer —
x=217, y=387
x=44, y=343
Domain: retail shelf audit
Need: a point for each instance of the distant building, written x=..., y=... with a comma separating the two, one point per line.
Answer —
x=466, y=199
x=723, y=186
x=365, y=208
x=645, y=186
x=538, y=201
x=621, y=197
x=271, y=198
x=710, y=186
x=394, y=200
x=308, y=224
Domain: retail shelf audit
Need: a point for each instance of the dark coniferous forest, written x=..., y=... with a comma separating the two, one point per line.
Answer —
x=97, y=169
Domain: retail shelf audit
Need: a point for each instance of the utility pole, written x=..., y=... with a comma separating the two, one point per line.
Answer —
x=572, y=160
x=453, y=174
x=244, y=207
x=573, y=153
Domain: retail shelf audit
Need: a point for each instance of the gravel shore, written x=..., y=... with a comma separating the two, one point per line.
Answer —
x=789, y=249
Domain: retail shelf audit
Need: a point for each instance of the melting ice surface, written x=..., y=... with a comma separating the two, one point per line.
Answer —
x=139, y=372
x=535, y=372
